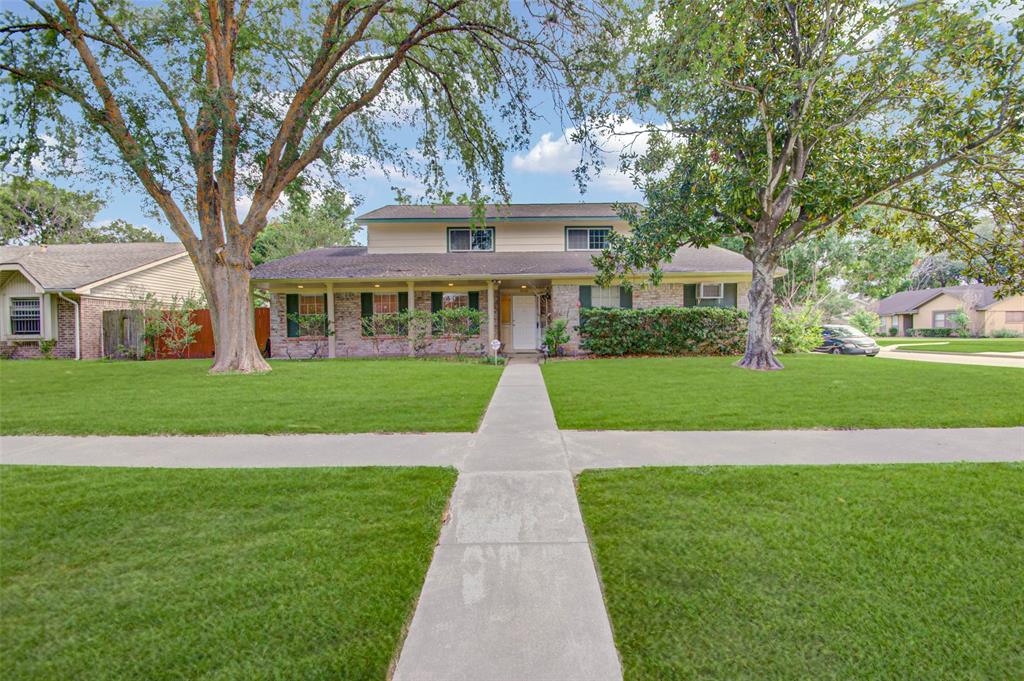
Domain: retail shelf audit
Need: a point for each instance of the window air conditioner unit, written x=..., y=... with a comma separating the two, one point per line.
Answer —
x=710, y=291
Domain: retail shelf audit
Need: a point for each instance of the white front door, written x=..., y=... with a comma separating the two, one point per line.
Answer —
x=524, y=322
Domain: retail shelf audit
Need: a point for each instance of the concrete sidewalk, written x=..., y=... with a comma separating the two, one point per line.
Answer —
x=239, y=451
x=952, y=358
x=623, y=449
x=512, y=592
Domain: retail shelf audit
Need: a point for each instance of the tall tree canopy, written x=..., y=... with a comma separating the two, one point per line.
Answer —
x=204, y=103
x=774, y=121
x=304, y=227
x=37, y=212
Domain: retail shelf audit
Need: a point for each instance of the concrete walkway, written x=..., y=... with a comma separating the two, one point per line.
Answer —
x=980, y=359
x=512, y=592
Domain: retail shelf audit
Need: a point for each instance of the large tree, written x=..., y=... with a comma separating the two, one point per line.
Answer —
x=304, y=227
x=774, y=121
x=208, y=102
x=34, y=211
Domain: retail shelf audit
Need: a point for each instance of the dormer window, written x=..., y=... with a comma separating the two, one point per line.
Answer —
x=586, y=238
x=466, y=239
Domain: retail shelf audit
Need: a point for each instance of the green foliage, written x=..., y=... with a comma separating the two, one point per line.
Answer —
x=304, y=228
x=459, y=324
x=46, y=348
x=894, y=330
x=775, y=122
x=556, y=335
x=867, y=321
x=932, y=333
x=34, y=211
x=880, y=266
x=167, y=325
x=1006, y=333
x=961, y=322
x=663, y=331
x=796, y=331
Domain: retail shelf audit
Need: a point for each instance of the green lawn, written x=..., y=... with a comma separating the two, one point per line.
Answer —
x=959, y=344
x=813, y=391
x=801, y=572
x=178, y=396
x=217, y=574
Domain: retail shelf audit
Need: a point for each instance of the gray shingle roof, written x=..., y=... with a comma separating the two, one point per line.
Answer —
x=353, y=262
x=906, y=302
x=69, y=266
x=516, y=211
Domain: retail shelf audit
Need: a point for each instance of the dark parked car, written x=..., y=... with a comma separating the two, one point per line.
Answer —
x=840, y=339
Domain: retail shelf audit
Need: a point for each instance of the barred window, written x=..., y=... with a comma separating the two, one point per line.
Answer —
x=26, y=319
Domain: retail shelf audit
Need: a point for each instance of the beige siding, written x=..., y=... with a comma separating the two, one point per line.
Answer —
x=177, y=276
x=15, y=285
x=945, y=302
x=431, y=237
x=995, y=315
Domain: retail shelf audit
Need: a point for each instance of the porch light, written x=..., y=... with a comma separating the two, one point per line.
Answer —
x=301, y=286
x=523, y=286
x=451, y=283
x=376, y=285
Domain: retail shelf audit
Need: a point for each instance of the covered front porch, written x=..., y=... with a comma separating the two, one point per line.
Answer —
x=516, y=311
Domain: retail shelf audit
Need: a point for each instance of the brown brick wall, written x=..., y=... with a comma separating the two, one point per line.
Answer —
x=65, y=336
x=348, y=338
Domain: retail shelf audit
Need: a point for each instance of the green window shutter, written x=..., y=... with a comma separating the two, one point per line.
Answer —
x=291, y=307
x=689, y=295
x=403, y=301
x=436, y=303
x=729, y=295
x=585, y=297
x=327, y=320
x=365, y=310
x=625, y=298
x=474, y=300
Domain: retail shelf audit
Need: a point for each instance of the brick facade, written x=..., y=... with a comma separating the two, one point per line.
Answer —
x=348, y=337
x=92, y=323
x=65, y=336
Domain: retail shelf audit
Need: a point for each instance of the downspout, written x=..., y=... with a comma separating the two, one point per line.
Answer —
x=78, y=336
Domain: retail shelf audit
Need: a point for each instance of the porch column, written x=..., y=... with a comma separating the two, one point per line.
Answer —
x=330, y=321
x=412, y=306
x=490, y=313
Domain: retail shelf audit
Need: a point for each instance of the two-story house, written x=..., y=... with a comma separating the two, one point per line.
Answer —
x=529, y=264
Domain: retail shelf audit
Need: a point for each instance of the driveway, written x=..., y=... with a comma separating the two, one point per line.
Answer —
x=980, y=359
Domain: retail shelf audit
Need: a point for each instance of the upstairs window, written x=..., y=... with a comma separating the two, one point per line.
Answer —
x=26, y=319
x=586, y=238
x=465, y=239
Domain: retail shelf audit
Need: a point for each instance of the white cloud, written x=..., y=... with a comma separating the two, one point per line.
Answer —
x=556, y=154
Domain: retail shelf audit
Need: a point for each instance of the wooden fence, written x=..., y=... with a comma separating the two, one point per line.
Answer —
x=123, y=335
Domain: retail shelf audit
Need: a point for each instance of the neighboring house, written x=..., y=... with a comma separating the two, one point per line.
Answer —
x=932, y=308
x=60, y=292
x=531, y=263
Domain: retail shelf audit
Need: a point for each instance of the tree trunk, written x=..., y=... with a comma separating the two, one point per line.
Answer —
x=227, y=292
x=759, y=353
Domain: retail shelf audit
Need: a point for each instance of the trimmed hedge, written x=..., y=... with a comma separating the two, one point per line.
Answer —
x=663, y=331
x=933, y=333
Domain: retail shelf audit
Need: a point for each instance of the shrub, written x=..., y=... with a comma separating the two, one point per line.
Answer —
x=932, y=333
x=1006, y=333
x=894, y=330
x=663, y=331
x=459, y=324
x=556, y=335
x=867, y=321
x=46, y=348
x=797, y=331
x=962, y=321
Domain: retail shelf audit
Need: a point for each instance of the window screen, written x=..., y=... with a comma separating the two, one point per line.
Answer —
x=710, y=290
x=471, y=239
x=608, y=296
x=586, y=238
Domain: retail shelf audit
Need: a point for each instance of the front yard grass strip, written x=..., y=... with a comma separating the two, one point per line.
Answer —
x=804, y=572
x=178, y=397
x=114, y=573
x=813, y=391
